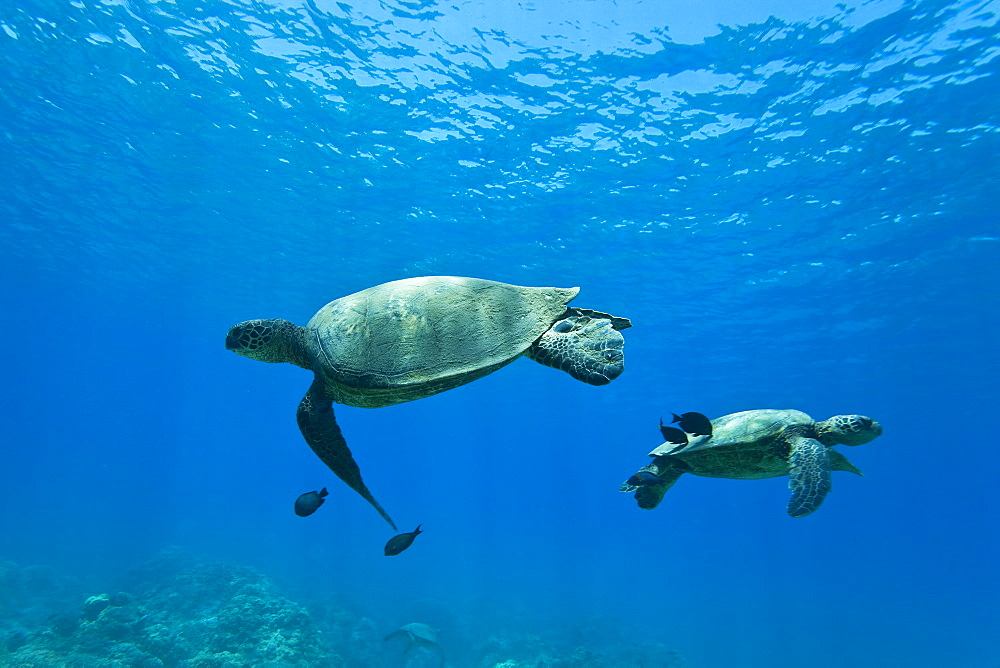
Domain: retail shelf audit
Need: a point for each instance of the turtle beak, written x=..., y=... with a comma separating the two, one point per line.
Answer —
x=232, y=342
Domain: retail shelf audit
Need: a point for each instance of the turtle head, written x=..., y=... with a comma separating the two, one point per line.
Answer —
x=273, y=340
x=848, y=430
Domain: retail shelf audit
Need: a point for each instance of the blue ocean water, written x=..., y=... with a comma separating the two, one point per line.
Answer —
x=795, y=206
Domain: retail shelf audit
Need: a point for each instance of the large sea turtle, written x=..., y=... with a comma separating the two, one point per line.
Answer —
x=415, y=337
x=759, y=444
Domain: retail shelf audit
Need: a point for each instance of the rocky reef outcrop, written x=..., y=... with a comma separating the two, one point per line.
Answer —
x=205, y=616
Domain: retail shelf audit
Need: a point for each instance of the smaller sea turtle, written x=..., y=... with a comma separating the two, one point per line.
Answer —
x=419, y=635
x=762, y=443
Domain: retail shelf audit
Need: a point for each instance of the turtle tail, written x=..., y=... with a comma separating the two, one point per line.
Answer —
x=319, y=427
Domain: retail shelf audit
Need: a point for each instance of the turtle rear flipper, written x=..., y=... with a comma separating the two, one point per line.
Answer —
x=838, y=462
x=586, y=346
x=319, y=427
x=649, y=495
x=809, y=465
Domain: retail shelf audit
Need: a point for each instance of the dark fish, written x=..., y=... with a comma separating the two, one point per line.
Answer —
x=695, y=424
x=643, y=478
x=399, y=543
x=307, y=503
x=673, y=434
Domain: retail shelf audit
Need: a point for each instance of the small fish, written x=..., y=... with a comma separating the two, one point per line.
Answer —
x=307, y=503
x=399, y=543
x=643, y=478
x=673, y=434
x=695, y=424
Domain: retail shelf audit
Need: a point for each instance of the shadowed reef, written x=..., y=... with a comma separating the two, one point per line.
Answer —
x=176, y=611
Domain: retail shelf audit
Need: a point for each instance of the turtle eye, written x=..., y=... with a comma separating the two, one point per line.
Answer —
x=562, y=326
x=238, y=337
x=247, y=337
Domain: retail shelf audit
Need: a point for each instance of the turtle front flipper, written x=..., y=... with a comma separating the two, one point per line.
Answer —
x=319, y=427
x=585, y=344
x=649, y=489
x=809, y=464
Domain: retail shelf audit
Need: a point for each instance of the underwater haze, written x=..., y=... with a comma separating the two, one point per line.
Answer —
x=794, y=203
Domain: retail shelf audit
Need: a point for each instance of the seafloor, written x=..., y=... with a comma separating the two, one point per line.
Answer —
x=178, y=611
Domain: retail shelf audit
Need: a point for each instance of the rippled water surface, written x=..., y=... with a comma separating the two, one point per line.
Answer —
x=795, y=207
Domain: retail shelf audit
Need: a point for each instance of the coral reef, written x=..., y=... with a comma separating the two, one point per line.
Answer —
x=590, y=641
x=176, y=612
x=206, y=616
x=531, y=651
x=31, y=597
